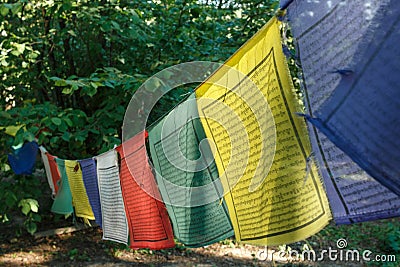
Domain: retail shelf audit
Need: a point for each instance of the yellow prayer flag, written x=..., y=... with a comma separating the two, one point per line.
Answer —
x=273, y=192
x=80, y=199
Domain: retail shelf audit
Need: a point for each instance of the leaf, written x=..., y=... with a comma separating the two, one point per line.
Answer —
x=4, y=63
x=20, y=47
x=69, y=122
x=56, y=121
x=5, y=114
x=28, y=136
x=45, y=133
x=36, y=217
x=54, y=139
x=33, y=204
x=4, y=10
x=11, y=199
x=71, y=32
x=34, y=129
x=63, y=127
x=90, y=91
x=115, y=25
x=66, y=136
x=4, y=219
x=94, y=131
x=121, y=59
x=25, y=207
x=60, y=82
x=94, y=85
x=80, y=138
x=67, y=90
x=17, y=7
x=31, y=227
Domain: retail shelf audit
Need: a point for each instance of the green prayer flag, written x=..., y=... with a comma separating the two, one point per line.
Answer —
x=63, y=200
x=188, y=178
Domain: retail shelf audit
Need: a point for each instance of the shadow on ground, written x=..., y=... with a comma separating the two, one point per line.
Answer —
x=86, y=248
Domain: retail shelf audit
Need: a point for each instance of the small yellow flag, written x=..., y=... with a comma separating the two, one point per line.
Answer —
x=80, y=199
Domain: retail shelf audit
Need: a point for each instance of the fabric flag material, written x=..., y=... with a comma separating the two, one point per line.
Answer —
x=80, y=199
x=63, y=201
x=115, y=225
x=362, y=115
x=54, y=171
x=193, y=197
x=148, y=221
x=89, y=177
x=22, y=160
x=45, y=159
x=277, y=197
x=328, y=43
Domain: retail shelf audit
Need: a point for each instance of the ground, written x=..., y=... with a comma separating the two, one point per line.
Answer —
x=86, y=248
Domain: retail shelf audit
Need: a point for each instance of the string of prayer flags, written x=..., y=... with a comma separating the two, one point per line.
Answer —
x=148, y=221
x=22, y=160
x=89, y=177
x=328, y=42
x=282, y=203
x=188, y=178
x=63, y=200
x=80, y=199
x=237, y=157
x=115, y=225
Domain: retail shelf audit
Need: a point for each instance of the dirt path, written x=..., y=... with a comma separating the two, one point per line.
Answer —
x=86, y=248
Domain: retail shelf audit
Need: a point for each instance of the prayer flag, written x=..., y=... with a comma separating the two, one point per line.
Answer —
x=80, y=199
x=330, y=35
x=115, y=225
x=188, y=178
x=63, y=200
x=45, y=159
x=22, y=160
x=89, y=177
x=273, y=191
x=148, y=221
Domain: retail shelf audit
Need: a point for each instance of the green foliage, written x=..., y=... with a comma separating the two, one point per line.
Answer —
x=20, y=193
x=380, y=237
x=77, y=255
x=71, y=67
x=29, y=208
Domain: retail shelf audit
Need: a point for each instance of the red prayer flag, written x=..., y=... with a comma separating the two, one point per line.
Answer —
x=55, y=173
x=147, y=216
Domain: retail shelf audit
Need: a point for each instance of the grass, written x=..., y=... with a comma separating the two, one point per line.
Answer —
x=379, y=240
